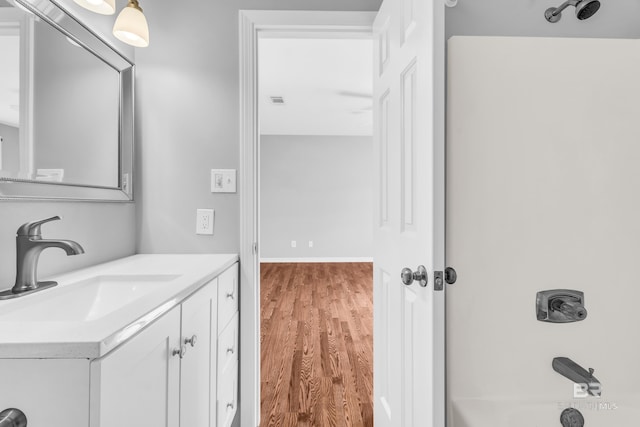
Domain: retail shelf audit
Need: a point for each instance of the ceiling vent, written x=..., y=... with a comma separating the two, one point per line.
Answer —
x=277, y=100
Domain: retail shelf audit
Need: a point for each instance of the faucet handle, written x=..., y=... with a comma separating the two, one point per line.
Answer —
x=32, y=229
x=591, y=371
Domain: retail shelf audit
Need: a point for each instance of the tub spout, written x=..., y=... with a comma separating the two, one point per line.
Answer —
x=576, y=373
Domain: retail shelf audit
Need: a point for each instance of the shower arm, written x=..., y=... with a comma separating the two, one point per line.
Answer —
x=558, y=10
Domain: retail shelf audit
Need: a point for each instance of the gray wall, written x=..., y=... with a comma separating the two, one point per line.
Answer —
x=617, y=18
x=188, y=116
x=106, y=230
x=316, y=188
x=101, y=24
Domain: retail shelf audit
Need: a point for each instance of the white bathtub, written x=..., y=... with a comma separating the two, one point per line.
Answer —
x=603, y=412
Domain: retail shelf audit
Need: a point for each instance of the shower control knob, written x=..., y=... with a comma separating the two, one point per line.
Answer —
x=420, y=275
x=13, y=417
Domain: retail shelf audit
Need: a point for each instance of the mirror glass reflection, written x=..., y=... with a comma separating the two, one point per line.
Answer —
x=59, y=106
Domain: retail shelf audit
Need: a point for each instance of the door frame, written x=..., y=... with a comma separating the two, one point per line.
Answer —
x=253, y=25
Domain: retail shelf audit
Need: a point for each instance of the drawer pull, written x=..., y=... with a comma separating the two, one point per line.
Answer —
x=231, y=350
x=230, y=295
x=191, y=341
x=179, y=351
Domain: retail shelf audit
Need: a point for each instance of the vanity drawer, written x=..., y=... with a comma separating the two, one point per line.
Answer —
x=227, y=296
x=228, y=345
x=227, y=396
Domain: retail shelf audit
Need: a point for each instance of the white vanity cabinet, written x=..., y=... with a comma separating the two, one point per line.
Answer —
x=138, y=384
x=145, y=341
x=51, y=392
x=227, y=359
x=199, y=323
x=168, y=374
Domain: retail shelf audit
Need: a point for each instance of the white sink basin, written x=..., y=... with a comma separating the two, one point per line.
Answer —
x=85, y=300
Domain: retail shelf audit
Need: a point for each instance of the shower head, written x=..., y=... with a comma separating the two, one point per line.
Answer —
x=585, y=9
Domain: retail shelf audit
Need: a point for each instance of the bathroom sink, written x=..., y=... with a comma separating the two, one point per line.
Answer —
x=85, y=300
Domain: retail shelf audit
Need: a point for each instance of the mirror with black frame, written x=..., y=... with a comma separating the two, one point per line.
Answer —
x=66, y=108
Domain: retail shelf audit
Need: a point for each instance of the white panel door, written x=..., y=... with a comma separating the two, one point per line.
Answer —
x=408, y=221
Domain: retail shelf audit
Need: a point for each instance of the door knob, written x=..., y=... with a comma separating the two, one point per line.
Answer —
x=450, y=275
x=420, y=275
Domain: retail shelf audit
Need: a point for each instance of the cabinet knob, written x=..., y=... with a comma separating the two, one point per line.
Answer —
x=230, y=295
x=230, y=350
x=191, y=340
x=230, y=405
x=180, y=351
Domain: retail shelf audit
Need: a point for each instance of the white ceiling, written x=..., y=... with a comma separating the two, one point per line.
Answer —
x=326, y=85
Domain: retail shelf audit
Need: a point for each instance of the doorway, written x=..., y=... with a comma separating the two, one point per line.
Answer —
x=253, y=25
x=409, y=53
x=316, y=229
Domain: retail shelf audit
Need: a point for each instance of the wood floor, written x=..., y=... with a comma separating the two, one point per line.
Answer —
x=317, y=346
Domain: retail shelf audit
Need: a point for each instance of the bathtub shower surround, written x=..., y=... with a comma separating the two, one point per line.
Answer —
x=542, y=184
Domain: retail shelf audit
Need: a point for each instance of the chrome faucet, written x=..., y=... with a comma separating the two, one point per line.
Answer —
x=29, y=246
x=576, y=373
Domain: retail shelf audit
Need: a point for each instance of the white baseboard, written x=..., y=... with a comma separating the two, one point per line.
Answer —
x=316, y=259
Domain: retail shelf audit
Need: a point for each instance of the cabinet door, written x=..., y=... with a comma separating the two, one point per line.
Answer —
x=195, y=369
x=138, y=383
x=228, y=345
x=227, y=395
x=227, y=295
x=50, y=392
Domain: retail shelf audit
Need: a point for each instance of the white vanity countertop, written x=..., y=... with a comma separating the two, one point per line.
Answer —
x=94, y=336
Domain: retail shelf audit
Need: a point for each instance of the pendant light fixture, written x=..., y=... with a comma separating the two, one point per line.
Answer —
x=103, y=7
x=131, y=25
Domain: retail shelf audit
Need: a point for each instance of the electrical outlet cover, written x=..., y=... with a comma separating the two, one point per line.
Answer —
x=204, y=221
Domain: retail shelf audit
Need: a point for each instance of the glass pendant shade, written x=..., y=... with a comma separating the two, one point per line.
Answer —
x=103, y=7
x=131, y=26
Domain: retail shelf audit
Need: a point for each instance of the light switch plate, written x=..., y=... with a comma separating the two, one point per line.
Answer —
x=204, y=221
x=223, y=180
